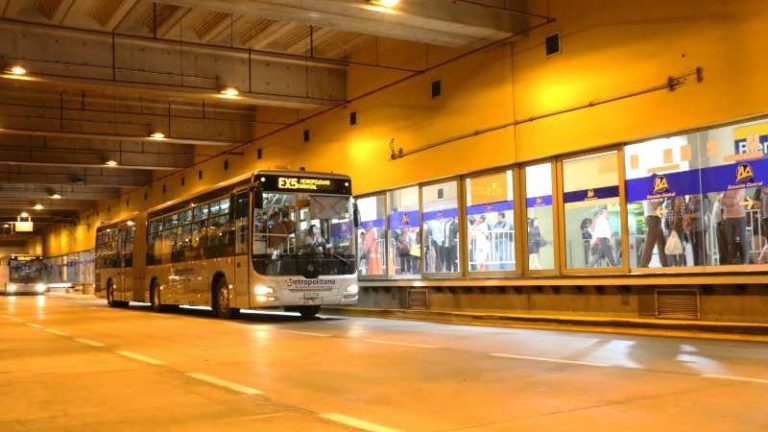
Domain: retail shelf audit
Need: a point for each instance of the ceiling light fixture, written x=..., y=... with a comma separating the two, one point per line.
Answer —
x=24, y=214
x=18, y=70
x=389, y=4
x=55, y=195
x=38, y=206
x=229, y=91
x=158, y=136
x=111, y=162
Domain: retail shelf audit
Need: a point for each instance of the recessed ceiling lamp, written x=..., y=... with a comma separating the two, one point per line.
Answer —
x=111, y=162
x=158, y=136
x=389, y=4
x=18, y=70
x=38, y=206
x=229, y=91
x=55, y=195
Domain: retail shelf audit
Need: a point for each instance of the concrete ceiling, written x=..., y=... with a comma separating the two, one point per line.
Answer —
x=105, y=74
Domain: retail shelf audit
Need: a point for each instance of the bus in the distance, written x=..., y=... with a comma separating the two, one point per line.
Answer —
x=277, y=239
x=22, y=274
x=113, y=261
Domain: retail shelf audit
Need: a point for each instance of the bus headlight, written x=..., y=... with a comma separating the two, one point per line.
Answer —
x=263, y=290
x=40, y=288
x=352, y=289
x=11, y=288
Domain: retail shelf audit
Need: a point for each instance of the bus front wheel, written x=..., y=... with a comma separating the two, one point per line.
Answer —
x=221, y=300
x=308, y=311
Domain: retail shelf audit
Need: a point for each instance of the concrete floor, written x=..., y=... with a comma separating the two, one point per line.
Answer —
x=76, y=365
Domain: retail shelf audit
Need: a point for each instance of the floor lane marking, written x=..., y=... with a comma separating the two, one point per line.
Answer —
x=737, y=378
x=33, y=325
x=56, y=332
x=224, y=383
x=92, y=343
x=308, y=333
x=551, y=360
x=405, y=344
x=356, y=423
x=140, y=357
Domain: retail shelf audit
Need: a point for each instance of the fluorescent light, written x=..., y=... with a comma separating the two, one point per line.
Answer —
x=159, y=136
x=38, y=206
x=56, y=195
x=18, y=70
x=389, y=4
x=24, y=214
x=230, y=91
x=111, y=163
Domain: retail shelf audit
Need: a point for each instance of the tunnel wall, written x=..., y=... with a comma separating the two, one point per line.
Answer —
x=609, y=49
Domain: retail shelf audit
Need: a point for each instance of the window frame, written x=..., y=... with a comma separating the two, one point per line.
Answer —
x=384, y=253
x=516, y=217
x=557, y=236
x=461, y=215
x=391, y=268
x=622, y=269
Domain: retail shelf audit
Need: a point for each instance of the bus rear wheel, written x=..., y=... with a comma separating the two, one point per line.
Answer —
x=111, y=294
x=221, y=300
x=308, y=311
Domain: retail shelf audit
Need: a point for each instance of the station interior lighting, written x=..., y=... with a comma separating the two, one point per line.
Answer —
x=111, y=162
x=389, y=4
x=18, y=70
x=24, y=214
x=38, y=206
x=230, y=91
x=158, y=136
x=55, y=195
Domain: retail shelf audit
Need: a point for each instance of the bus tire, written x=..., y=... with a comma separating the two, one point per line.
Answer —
x=154, y=297
x=221, y=299
x=308, y=311
x=111, y=294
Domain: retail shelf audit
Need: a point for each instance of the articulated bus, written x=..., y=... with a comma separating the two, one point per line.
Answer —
x=275, y=240
x=22, y=274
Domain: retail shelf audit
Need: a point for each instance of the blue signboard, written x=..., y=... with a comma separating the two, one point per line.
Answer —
x=376, y=223
x=737, y=175
x=495, y=207
x=441, y=214
x=663, y=186
x=540, y=201
x=404, y=219
x=591, y=194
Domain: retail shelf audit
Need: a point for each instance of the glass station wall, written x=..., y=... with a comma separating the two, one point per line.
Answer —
x=697, y=200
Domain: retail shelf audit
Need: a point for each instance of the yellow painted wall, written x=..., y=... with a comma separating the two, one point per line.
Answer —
x=609, y=48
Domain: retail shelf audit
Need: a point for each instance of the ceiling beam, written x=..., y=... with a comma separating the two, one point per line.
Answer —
x=129, y=65
x=41, y=156
x=438, y=22
x=63, y=177
x=113, y=137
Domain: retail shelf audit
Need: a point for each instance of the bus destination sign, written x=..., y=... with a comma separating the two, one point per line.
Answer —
x=305, y=184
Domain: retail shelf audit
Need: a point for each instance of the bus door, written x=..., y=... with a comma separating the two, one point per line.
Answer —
x=119, y=264
x=242, y=259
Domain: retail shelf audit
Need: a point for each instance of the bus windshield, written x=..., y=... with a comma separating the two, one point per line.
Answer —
x=304, y=234
x=26, y=270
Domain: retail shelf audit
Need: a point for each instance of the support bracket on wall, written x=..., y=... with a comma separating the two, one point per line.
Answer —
x=672, y=83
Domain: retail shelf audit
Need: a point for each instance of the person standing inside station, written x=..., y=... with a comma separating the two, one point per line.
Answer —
x=735, y=226
x=654, y=235
x=603, y=234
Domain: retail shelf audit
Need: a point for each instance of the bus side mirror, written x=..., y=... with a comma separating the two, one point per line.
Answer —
x=356, y=215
